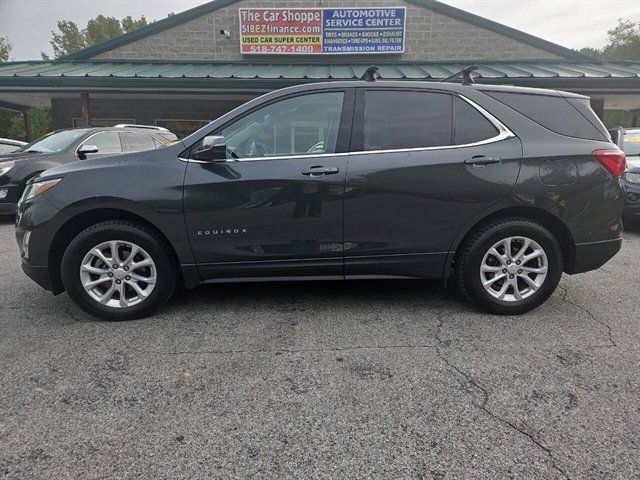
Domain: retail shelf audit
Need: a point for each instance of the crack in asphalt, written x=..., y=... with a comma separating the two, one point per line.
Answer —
x=485, y=400
x=283, y=350
x=591, y=315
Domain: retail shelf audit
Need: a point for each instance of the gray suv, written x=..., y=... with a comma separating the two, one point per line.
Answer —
x=499, y=188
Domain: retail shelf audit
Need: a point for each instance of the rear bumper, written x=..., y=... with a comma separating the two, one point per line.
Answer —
x=591, y=256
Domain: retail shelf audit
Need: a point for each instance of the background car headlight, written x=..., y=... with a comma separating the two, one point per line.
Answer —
x=632, y=177
x=37, y=188
x=6, y=166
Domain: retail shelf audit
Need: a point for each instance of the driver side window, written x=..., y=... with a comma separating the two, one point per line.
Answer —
x=306, y=124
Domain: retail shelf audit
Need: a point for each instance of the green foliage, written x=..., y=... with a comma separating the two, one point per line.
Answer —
x=617, y=118
x=14, y=127
x=5, y=49
x=130, y=25
x=624, y=43
x=101, y=29
x=591, y=52
x=70, y=38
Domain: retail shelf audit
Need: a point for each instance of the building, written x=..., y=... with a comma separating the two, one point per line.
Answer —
x=189, y=68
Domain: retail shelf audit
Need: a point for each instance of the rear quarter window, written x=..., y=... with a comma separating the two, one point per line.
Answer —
x=571, y=117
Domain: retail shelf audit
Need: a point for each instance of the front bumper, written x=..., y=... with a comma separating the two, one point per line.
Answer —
x=40, y=275
x=593, y=255
x=632, y=200
x=37, y=222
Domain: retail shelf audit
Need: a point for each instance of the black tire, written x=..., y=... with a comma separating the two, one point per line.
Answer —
x=471, y=254
x=152, y=243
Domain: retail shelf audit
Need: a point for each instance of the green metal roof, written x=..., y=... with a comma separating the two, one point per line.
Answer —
x=433, y=5
x=183, y=75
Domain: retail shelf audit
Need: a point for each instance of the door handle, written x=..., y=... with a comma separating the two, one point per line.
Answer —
x=480, y=160
x=320, y=171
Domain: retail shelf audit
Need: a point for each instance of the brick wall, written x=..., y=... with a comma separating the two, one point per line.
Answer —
x=429, y=37
x=142, y=111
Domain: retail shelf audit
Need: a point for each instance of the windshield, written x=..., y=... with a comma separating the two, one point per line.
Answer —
x=631, y=145
x=54, y=143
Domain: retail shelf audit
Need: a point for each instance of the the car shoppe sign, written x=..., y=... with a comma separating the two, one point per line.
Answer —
x=309, y=31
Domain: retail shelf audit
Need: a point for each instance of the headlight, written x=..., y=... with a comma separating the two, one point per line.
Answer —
x=632, y=177
x=6, y=166
x=37, y=188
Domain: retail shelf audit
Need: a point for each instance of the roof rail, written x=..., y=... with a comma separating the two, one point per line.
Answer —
x=371, y=74
x=144, y=127
x=467, y=79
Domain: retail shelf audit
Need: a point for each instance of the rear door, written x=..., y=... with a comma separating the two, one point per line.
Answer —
x=423, y=164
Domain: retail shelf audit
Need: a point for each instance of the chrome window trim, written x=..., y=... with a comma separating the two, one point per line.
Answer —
x=503, y=134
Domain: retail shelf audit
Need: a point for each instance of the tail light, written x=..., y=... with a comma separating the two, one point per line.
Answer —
x=614, y=161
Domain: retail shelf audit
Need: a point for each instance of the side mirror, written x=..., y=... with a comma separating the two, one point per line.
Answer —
x=213, y=148
x=85, y=150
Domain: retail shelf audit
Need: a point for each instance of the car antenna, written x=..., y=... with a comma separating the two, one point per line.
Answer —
x=371, y=74
x=467, y=79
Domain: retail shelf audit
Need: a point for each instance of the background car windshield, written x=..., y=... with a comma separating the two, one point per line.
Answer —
x=632, y=144
x=54, y=143
x=295, y=126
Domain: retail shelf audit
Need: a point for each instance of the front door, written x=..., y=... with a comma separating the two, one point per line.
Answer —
x=424, y=164
x=274, y=208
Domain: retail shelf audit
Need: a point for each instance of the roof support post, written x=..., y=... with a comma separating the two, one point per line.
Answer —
x=28, y=127
x=86, y=114
x=598, y=107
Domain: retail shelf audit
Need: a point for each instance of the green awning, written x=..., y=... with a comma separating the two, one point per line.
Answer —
x=186, y=75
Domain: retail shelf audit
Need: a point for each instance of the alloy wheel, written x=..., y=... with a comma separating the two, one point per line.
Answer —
x=118, y=274
x=513, y=269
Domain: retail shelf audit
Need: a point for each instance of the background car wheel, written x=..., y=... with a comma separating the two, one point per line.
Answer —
x=118, y=270
x=509, y=266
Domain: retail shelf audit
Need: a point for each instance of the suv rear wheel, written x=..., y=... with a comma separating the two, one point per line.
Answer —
x=118, y=270
x=509, y=266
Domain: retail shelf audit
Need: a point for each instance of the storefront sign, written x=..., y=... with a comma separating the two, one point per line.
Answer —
x=313, y=31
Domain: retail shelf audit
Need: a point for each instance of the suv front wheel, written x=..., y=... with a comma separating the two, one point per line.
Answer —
x=118, y=270
x=509, y=266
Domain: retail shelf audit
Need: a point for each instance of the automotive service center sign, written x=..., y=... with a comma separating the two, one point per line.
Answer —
x=309, y=31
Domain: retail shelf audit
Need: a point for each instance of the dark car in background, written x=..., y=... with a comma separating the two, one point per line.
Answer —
x=8, y=146
x=628, y=139
x=65, y=146
x=501, y=188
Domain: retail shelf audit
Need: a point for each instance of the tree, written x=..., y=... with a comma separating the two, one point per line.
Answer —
x=5, y=49
x=623, y=43
x=40, y=124
x=130, y=25
x=70, y=38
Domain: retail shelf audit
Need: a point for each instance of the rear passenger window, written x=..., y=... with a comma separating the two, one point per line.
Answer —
x=555, y=113
x=470, y=125
x=139, y=142
x=405, y=119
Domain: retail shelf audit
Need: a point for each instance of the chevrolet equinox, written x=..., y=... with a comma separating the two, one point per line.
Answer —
x=500, y=188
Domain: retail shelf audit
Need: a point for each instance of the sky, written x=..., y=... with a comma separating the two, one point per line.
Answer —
x=571, y=23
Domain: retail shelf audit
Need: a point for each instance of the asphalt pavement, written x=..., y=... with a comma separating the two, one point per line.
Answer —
x=344, y=380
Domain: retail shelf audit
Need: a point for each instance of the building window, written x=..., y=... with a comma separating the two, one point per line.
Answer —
x=182, y=128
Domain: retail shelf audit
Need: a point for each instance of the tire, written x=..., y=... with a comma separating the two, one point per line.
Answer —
x=476, y=266
x=145, y=282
